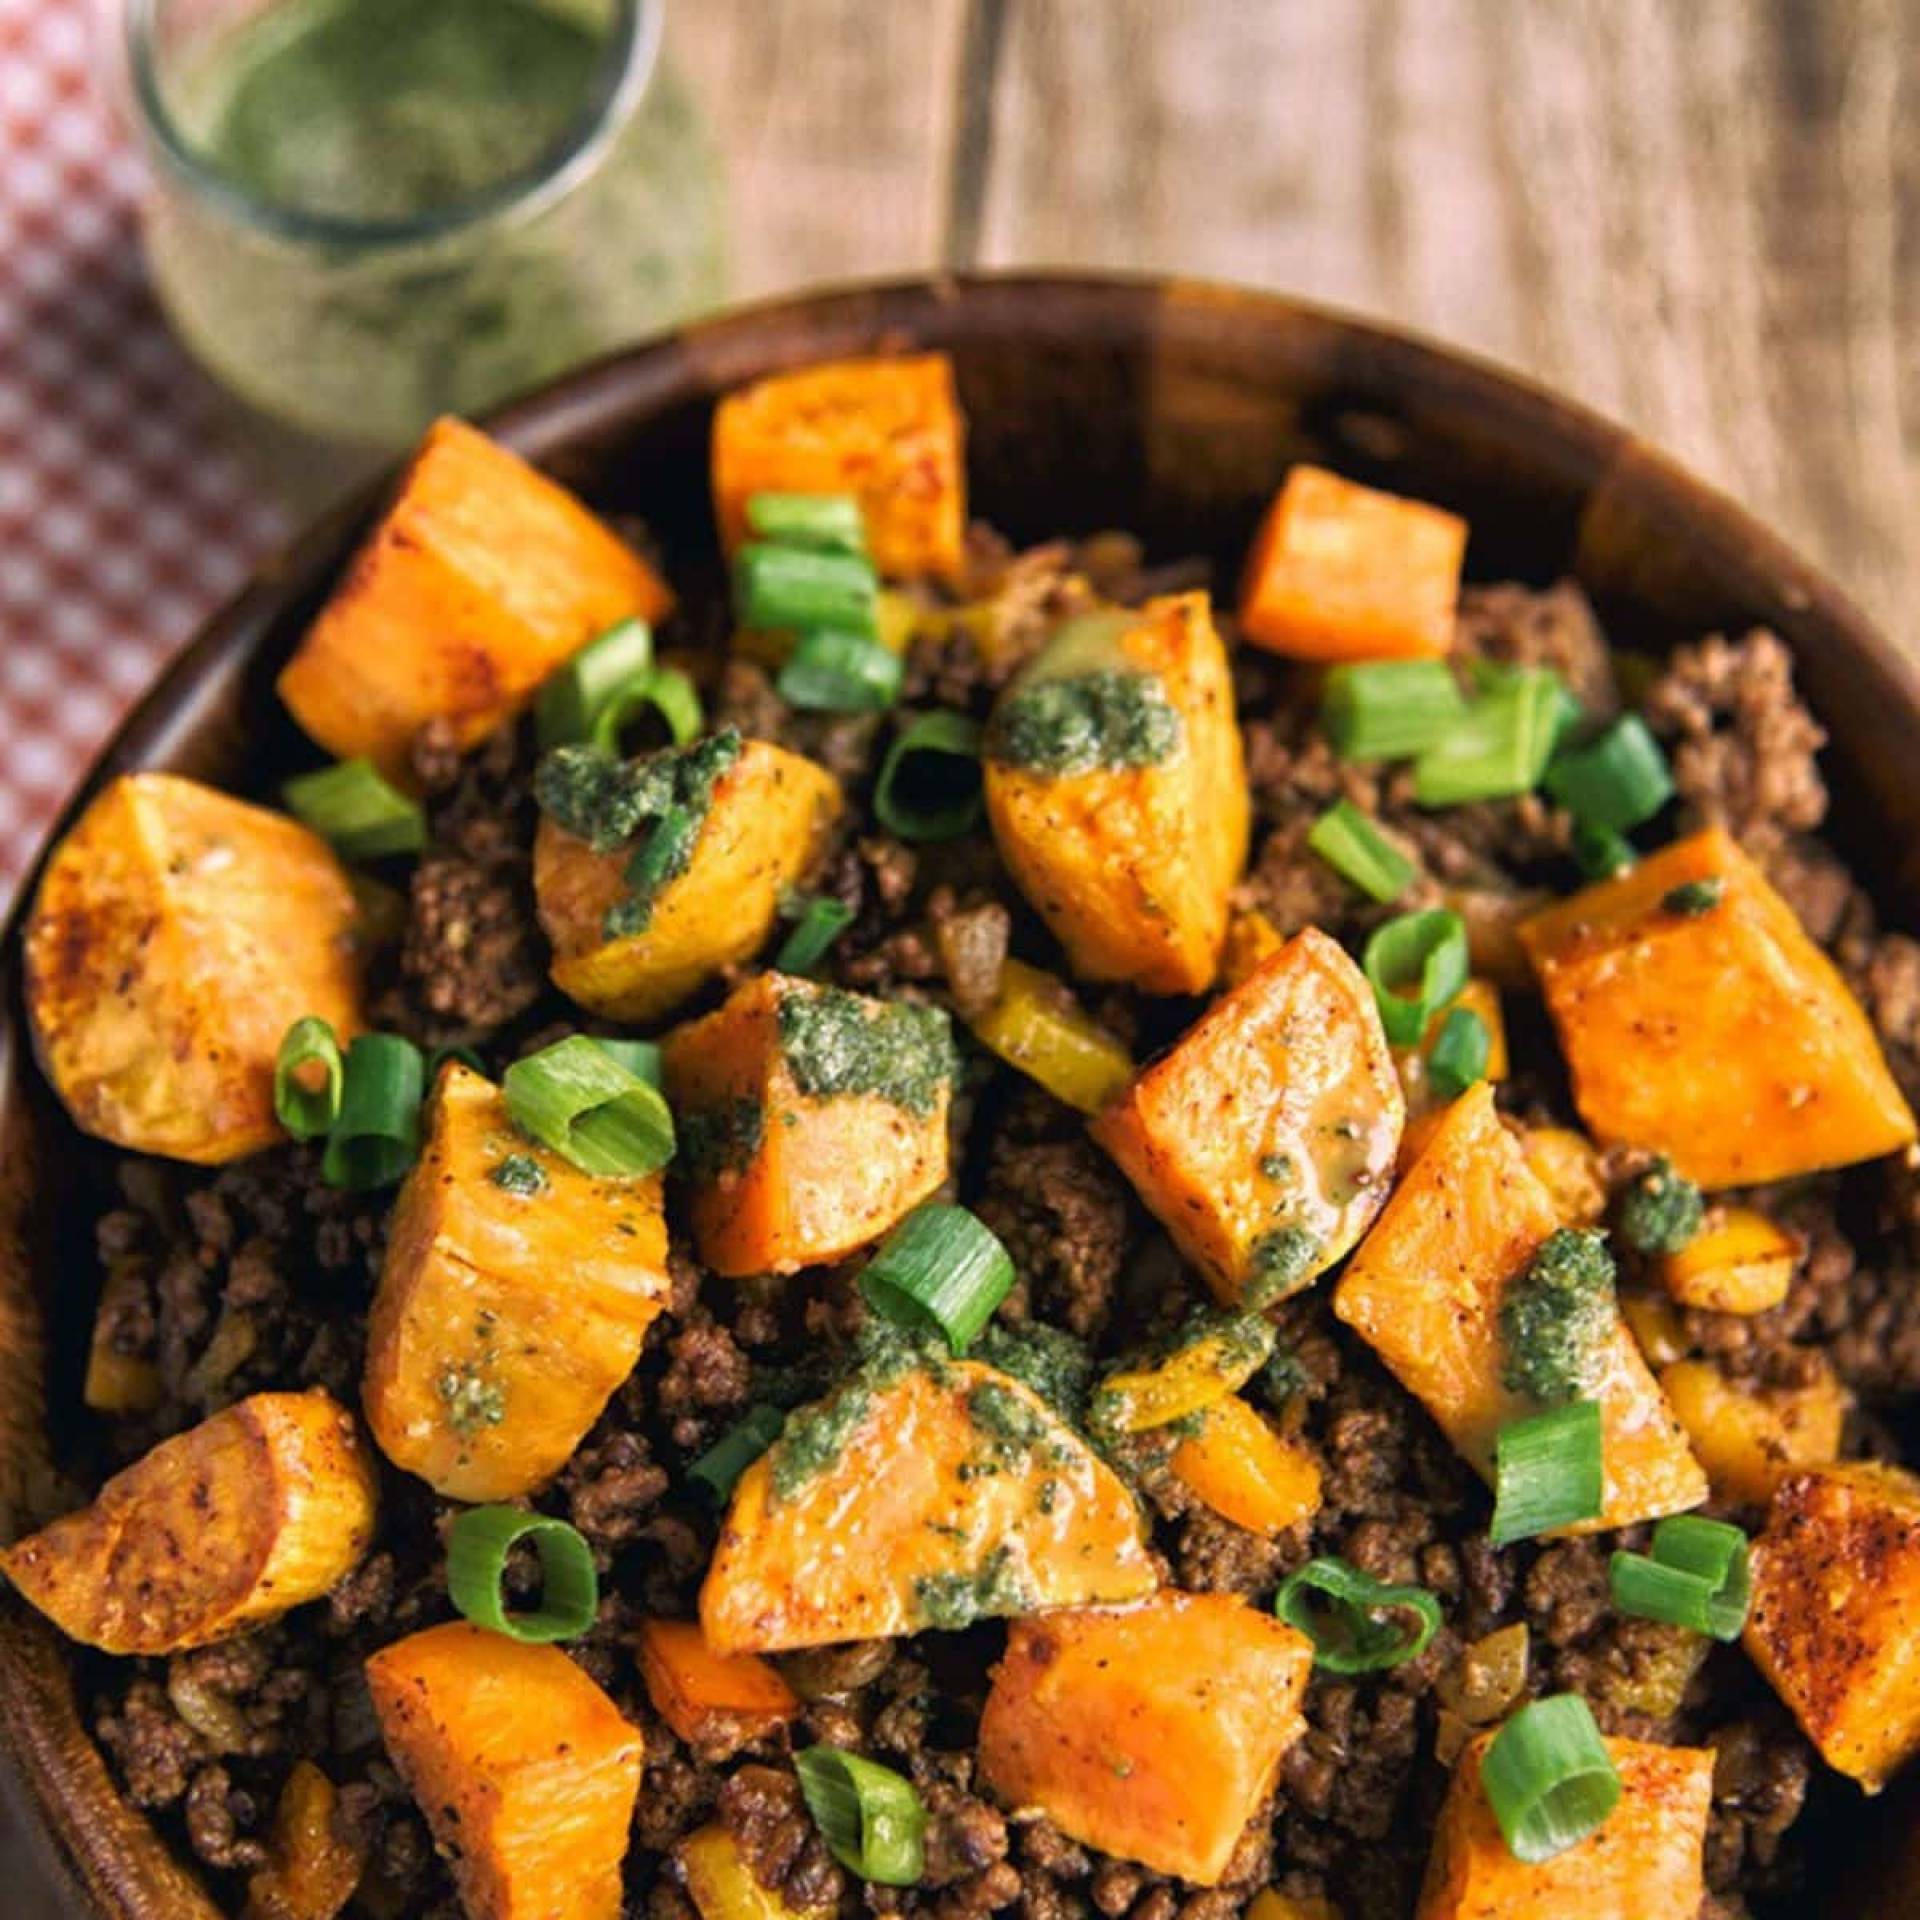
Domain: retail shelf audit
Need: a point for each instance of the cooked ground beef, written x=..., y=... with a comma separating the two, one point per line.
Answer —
x=260, y=1274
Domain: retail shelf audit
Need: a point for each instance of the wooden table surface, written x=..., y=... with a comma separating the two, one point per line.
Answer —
x=1700, y=216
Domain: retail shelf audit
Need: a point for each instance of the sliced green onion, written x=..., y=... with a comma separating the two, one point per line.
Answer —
x=1548, y=1472
x=577, y=1099
x=356, y=811
x=822, y=922
x=1499, y=748
x=942, y=1268
x=1427, y=950
x=829, y=521
x=578, y=689
x=1340, y=1610
x=641, y=1058
x=664, y=851
x=718, y=1470
x=376, y=1133
x=442, y=1056
x=305, y=1110
x=1600, y=851
x=871, y=1818
x=477, y=1550
x=794, y=588
x=1618, y=779
x=929, y=785
x=662, y=690
x=1698, y=1577
x=1390, y=709
x=832, y=672
x=1548, y=1778
x=1458, y=1056
x=1356, y=850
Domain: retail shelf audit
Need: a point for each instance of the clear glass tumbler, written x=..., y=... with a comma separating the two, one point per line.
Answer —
x=358, y=329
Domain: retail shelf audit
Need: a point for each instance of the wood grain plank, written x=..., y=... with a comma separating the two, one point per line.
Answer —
x=835, y=120
x=1698, y=215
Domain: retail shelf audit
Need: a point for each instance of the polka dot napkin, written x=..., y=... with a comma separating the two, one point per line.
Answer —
x=124, y=519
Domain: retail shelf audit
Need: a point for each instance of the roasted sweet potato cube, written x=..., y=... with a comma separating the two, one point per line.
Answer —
x=1339, y=571
x=1265, y=1139
x=1646, y=1859
x=176, y=936
x=1425, y=1289
x=513, y=1299
x=525, y=1770
x=1749, y=1436
x=923, y=1501
x=1152, y=1732
x=1700, y=1021
x=1835, y=1621
x=1130, y=860
x=764, y=828
x=715, y=1702
x=261, y=1508
x=480, y=579
x=811, y=1120
x=887, y=431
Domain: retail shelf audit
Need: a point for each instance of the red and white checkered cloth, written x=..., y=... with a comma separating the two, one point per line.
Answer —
x=124, y=517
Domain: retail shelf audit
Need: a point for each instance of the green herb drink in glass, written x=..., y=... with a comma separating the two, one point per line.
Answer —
x=364, y=213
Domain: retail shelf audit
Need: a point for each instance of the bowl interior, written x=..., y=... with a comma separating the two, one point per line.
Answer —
x=1170, y=410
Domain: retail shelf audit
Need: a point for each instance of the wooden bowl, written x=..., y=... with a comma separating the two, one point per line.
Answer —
x=1165, y=407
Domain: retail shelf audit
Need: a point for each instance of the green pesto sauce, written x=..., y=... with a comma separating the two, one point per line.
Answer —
x=656, y=804
x=1661, y=1210
x=1558, y=1316
x=1047, y=1360
x=949, y=1602
x=519, y=1174
x=815, y=1437
x=1013, y=1425
x=836, y=1043
x=1105, y=718
x=1280, y=1263
x=722, y=1139
x=1694, y=897
x=386, y=109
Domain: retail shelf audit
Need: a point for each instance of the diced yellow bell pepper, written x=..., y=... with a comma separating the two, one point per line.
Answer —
x=1035, y=1024
x=720, y=1883
x=1246, y=1472
x=1251, y=938
x=1565, y=1163
x=1195, y=1375
x=1749, y=1437
x=1480, y=998
x=1740, y=1262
